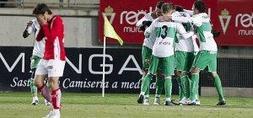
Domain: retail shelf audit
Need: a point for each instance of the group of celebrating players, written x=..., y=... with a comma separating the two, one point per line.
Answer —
x=170, y=49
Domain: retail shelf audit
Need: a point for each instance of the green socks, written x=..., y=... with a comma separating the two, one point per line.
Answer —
x=218, y=86
x=159, y=86
x=168, y=86
x=180, y=91
x=187, y=86
x=184, y=87
x=145, y=84
x=33, y=88
x=147, y=91
x=194, y=86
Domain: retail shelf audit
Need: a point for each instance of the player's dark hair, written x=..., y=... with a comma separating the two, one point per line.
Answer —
x=178, y=8
x=200, y=6
x=159, y=4
x=41, y=8
x=166, y=7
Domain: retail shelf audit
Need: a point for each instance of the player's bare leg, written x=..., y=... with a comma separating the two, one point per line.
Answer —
x=45, y=92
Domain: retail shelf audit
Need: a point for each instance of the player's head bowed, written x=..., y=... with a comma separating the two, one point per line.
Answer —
x=167, y=8
x=158, y=11
x=42, y=13
x=199, y=7
x=41, y=9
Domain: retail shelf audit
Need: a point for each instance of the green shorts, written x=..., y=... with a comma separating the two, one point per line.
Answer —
x=164, y=65
x=34, y=61
x=206, y=59
x=146, y=57
x=184, y=60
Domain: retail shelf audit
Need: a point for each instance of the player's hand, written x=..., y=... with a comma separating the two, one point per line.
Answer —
x=41, y=19
x=215, y=33
x=28, y=29
x=29, y=23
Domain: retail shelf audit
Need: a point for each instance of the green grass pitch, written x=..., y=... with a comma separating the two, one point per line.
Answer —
x=87, y=105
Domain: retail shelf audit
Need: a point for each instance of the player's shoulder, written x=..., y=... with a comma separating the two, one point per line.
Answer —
x=175, y=14
x=201, y=17
x=34, y=20
x=155, y=21
x=57, y=18
x=176, y=24
x=149, y=17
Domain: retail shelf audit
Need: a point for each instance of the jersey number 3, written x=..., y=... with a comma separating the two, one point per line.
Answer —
x=164, y=32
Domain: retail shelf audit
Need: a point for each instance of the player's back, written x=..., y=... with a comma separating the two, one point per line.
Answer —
x=186, y=45
x=203, y=28
x=165, y=35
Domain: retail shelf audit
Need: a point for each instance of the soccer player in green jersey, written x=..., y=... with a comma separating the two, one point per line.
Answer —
x=184, y=55
x=33, y=27
x=207, y=56
x=146, y=53
x=162, y=59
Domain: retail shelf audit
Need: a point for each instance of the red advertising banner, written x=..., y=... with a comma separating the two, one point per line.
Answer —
x=232, y=18
x=235, y=22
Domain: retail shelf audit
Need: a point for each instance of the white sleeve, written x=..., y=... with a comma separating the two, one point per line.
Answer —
x=139, y=23
x=181, y=30
x=190, y=12
x=195, y=45
x=196, y=21
x=180, y=19
x=30, y=29
x=150, y=29
x=33, y=26
x=186, y=14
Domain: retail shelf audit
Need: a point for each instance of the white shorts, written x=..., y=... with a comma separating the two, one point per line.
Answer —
x=51, y=68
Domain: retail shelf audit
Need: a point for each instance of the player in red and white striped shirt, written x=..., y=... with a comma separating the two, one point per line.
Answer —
x=53, y=62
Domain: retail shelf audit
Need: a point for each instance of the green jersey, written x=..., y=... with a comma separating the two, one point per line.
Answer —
x=148, y=42
x=165, y=33
x=203, y=28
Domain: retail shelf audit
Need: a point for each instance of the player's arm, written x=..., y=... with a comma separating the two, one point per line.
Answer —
x=143, y=23
x=190, y=12
x=28, y=29
x=139, y=23
x=56, y=29
x=182, y=31
x=197, y=21
x=40, y=35
x=150, y=29
x=177, y=17
x=194, y=42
